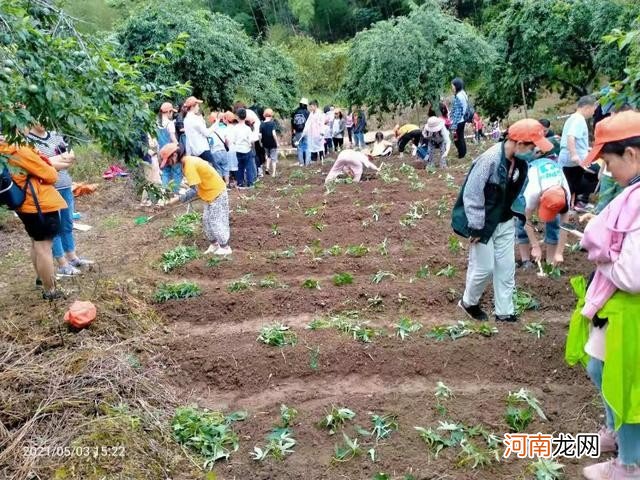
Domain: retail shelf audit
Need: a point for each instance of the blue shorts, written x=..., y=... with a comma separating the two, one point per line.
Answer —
x=551, y=232
x=221, y=162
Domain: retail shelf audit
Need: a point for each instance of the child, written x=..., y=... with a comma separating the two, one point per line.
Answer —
x=338, y=131
x=231, y=122
x=269, y=141
x=166, y=133
x=478, y=127
x=244, y=138
x=207, y=184
x=381, y=148
x=219, y=145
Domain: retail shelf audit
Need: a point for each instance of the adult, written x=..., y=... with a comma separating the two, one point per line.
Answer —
x=359, y=128
x=329, y=117
x=196, y=131
x=219, y=145
x=40, y=212
x=407, y=133
x=548, y=132
x=269, y=141
x=337, y=129
x=352, y=164
x=206, y=184
x=435, y=136
x=53, y=146
x=459, y=111
x=609, y=311
x=348, y=122
x=574, y=145
x=314, y=132
x=244, y=139
x=298, y=122
x=484, y=213
x=166, y=133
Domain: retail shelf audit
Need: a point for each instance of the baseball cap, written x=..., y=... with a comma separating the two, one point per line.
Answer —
x=191, y=101
x=166, y=151
x=167, y=107
x=530, y=131
x=304, y=101
x=552, y=202
x=613, y=129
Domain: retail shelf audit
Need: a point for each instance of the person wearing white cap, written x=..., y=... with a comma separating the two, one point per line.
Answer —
x=435, y=135
x=298, y=121
x=352, y=164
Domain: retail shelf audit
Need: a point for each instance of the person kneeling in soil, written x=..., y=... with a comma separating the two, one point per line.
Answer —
x=484, y=213
x=352, y=164
x=209, y=186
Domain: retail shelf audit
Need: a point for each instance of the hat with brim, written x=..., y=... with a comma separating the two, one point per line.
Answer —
x=304, y=101
x=167, y=107
x=552, y=202
x=191, y=101
x=613, y=129
x=434, y=124
x=166, y=152
x=529, y=130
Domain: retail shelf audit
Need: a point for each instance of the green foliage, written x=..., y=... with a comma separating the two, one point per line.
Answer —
x=176, y=291
x=551, y=271
x=341, y=279
x=544, y=469
x=243, y=283
x=383, y=425
x=349, y=450
x=381, y=275
x=277, y=335
x=449, y=271
x=287, y=415
x=271, y=281
x=311, y=284
x=627, y=90
x=535, y=328
x=336, y=418
x=460, y=329
x=357, y=250
x=280, y=443
x=521, y=407
x=184, y=226
x=207, y=433
x=178, y=257
x=454, y=245
x=457, y=435
x=524, y=301
x=423, y=272
x=406, y=327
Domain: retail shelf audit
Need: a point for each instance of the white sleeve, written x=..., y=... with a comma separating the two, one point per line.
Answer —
x=447, y=141
x=532, y=190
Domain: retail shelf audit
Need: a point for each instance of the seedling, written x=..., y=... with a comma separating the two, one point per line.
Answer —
x=319, y=226
x=311, y=284
x=275, y=230
x=416, y=212
x=375, y=211
x=519, y=417
x=244, y=283
x=335, y=251
x=215, y=262
x=280, y=443
x=319, y=324
x=551, y=271
x=287, y=415
x=545, y=469
x=270, y=281
x=383, y=425
x=375, y=303
x=290, y=252
x=523, y=395
x=442, y=391
x=454, y=332
x=312, y=212
x=350, y=449
x=383, y=248
x=423, y=272
x=485, y=330
x=406, y=327
x=277, y=335
x=380, y=276
x=178, y=257
x=314, y=358
x=359, y=331
x=341, y=279
x=330, y=188
x=176, y=291
x=450, y=181
x=454, y=245
x=535, y=328
x=297, y=175
x=336, y=418
x=241, y=210
x=448, y=271
x=357, y=250
x=184, y=226
x=476, y=457
x=524, y=301
x=386, y=175
x=442, y=208
x=575, y=247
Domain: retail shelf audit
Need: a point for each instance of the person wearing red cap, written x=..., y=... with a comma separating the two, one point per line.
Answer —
x=609, y=310
x=484, y=213
x=166, y=133
x=206, y=183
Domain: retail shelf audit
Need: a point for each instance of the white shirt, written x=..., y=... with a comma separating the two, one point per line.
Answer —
x=197, y=134
x=218, y=137
x=244, y=138
x=542, y=175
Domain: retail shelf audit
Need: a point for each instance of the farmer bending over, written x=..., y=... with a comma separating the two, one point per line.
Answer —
x=352, y=164
x=207, y=184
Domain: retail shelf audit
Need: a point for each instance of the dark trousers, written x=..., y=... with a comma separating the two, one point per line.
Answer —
x=338, y=142
x=260, y=154
x=246, y=175
x=208, y=157
x=574, y=178
x=414, y=136
x=350, y=133
x=460, y=142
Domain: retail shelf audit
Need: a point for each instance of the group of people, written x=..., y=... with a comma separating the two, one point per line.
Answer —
x=530, y=171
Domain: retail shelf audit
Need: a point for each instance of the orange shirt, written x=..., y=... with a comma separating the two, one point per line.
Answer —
x=25, y=161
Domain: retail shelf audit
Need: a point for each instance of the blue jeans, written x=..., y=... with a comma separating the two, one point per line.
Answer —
x=64, y=241
x=629, y=433
x=551, y=232
x=304, y=157
x=221, y=162
x=359, y=139
x=246, y=175
x=172, y=174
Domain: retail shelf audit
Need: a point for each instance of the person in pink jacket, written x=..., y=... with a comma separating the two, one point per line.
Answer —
x=612, y=240
x=350, y=163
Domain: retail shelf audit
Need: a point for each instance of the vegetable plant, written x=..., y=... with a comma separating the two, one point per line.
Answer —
x=545, y=469
x=454, y=332
x=336, y=418
x=521, y=407
x=375, y=303
x=350, y=449
x=524, y=301
x=178, y=257
x=270, y=281
x=275, y=230
x=454, y=245
x=319, y=324
x=552, y=271
x=423, y=272
x=176, y=291
x=184, y=225
x=448, y=271
x=280, y=443
x=383, y=247
x=312, y=211
x=243, y=283
x=406, y=327
x=334, y=251
x=311, y=284
x=341, y=279
x=277, y=335
x=442, y=392
x=383, y=425
x=287, y=415
x=214, y=262
x=474, y=456
x=357, y=250
x=380, y=275
x=535, y=328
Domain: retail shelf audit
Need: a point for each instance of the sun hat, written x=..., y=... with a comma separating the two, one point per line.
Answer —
x=434, y=124
x=191, y=101
x=304, y=101
x=530, y=131
x=167, y=107
x=613, y=129
x=166, y=151
x=552, y=202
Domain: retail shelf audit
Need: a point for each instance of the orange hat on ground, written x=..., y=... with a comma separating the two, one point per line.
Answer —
x=552, y=202
x=530, y=131
x=167, y=107
x=613, y=129
x=268, y=113
x=166, y=151
x=80, y=314
x=191, y=101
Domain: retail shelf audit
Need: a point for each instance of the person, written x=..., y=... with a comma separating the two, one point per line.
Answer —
x=381, y=148
x=298, y=122
x=458, y=122
x=206, y=184
x=359, y=128
x=337, y=130
x=444, y=114
x=547, y=128
x=607, y=313
x=40, y=212
x=243, y=140
x=574, y=144
x=219, y=145
x=478, y=127
x=179, y=125
x=348, y=122
x=255, y=117
x=484, y=213
x=269, y=141
x=352, y=164
x=547, y=191
x=166, y=133
x=329, y=117
x=53, y=146
x=196, y=131
x=314, y=132
x=231, y=122
x=407, y=133
x=436, y=136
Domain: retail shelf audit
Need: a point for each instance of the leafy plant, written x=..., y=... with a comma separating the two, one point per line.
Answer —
x=312, y=211
x=359, y=331
x=443, y=391
x=375, y=211
x=375, y=303
x=383, y=425
x=357, y=250
x=380, y=275
x=520, y=409
x=474, y=456
x=448, y=271
x=341, y=279
x=178, y=257
x=335, y=251
x=423, y=272
x=184, y=226
x=277, y=335
x=314, y=358
x=215, y=262
x=535, y=328
x=524, y=301
x=485, y=330
x=270, y=281
x=319, y=324
x=552, y=271
x=280, y=443
x=454, y=245
x=545, y=469
x=383, y=247
x=290, y=252
x=350, y=449
x=243, y=283
x=275, y=230
x=336, y=418
x=176, y=291
x=207, y=433
x=406, y=326
x=454, y=332
x=287, y=415
x=319, y=226
x=311, y=284
x=416, y=212
x=575, y=247
x=385, y=174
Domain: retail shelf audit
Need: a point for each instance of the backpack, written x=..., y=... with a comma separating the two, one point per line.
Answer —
x=299, y=120
x=469, y=112
x=11, y=195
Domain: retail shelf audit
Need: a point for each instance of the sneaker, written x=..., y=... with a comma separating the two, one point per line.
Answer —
x=223, y=251
x=608, y=440
x=212, y=249
x=38, y=282
x=474, y=311
x=53, y=295
x=79, y=262
x=67, y=271
x=506, y=318
x=527, y=265
x=611, y=470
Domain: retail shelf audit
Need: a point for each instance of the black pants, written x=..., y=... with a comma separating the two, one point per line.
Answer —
x=414, y=136
x=328, y=146
x=350, y=133
x=460, y=142
x=260, y=154
x=338, y=142
x=574, y=178
x=315, y=156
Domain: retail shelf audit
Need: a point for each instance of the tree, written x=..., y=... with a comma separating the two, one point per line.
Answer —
x=627, y=90
x=411, y=60
x=73, y=84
